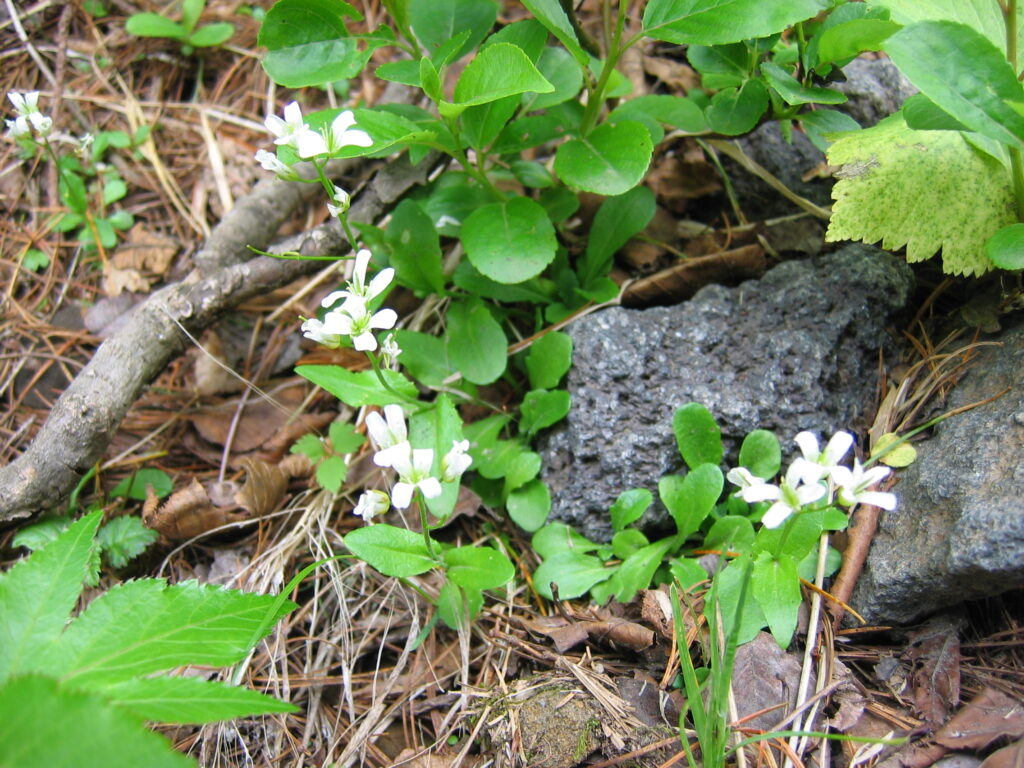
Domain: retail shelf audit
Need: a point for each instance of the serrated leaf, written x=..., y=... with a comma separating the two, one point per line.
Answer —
x=190, y=700
x=140, y=627
x=44, y=724
x=38, y=593
x=611, y=160
x=712, y=22
x=358, y=388
x=392, y=551
x=344, y=438
x=310, y=446
x=38, y=535
x=478, y=567
x=123, y=539
x=331, y=473
x=476, y=344
x=509, y=242
x=925, y=190
x=902, y=455
x=549, y=359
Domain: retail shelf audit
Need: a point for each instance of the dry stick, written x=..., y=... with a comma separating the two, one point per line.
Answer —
x=86, y=417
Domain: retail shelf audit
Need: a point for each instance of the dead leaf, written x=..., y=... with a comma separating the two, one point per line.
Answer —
x=673, y=73
x=188, y=513
x=934, y=652
x=768, y=677
x=678, y=177
x=680, y=281
x=1007, y=757
x=146, y=251
x=265, y=486
x=620, y=633
x=259, y=423
x=656, y=610
x=989, y=716
x=213, y=374
x=117, y=281
x=651, y=705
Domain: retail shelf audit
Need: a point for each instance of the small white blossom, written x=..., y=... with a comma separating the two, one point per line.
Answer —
x=816, y=464
x=292, y=129
x=272, y=163
x=388, y=433
x=338, y=135
x=341, y=199
x=456, y=461
x=371, y=504
x=790, y=497
x=314, y=329
x=357, y=285
x=752, y=488
x=854, y=484
x=28, y=116
x=413, y=467
x=353, y=318
x=390, y=349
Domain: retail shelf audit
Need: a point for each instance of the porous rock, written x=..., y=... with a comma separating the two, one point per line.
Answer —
x=958, y=531
x=797, y=349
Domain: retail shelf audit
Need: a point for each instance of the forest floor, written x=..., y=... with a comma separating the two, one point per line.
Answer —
x=371, y=689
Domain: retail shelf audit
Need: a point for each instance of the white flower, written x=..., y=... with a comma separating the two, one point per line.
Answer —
x=854, y=484
x=388, y=433
x=357, y=285
x=371, y=504
x=816, y=464
x=390, y=349
x=752, y=487
x=270, y=162
x=316, y=330
x=343, y=200
x=334, y=138
x=292, y=129
x=353, y=319
x=790, y=497
x=413, y=468
x=26, y=107
x=456, y=461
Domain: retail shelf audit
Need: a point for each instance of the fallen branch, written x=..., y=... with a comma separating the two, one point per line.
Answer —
x=86, y=416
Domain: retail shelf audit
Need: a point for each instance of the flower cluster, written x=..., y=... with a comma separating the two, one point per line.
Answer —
x=353, y=317
x=29, y=118
x=812, y=477
x=293, y=131
x=413, y=465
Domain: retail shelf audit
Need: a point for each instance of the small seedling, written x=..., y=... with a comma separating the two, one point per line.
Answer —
x=186, y=31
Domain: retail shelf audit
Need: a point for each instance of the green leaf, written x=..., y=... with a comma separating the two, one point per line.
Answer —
x=437, y=21
x=730, y=533
x=498, y=71
x=531, y=174
x=966, y=75
x=629, y=507
x=358, y=388
x=35, y=260
x=638, y=569
x=308, y=44
x=527, y=34
x=541, y=408
x=114, y=190
x=424, y=356
x=494, y=459
x=72, y=192
x=697, y=435
x=793, y=91
x=712, y=22
x=747, y=619
x=558, y=67
x=611, y=160
x=550, y=14
x=761, y=453
x=529, y=505
x=154, y=25
x=735, y=111
x=842, y=42
x=38, y=535
x=38, y=593
x=125, y=538
x=904, y=454
x=572, y=571
x=331, y=473
x=190, y=700
x=521, y=470
x=140, y=627
x=677, y=111
x=44, y=724
x=1006, y=250
x=775, y=586
x=528, y=132
x=721, y=66
x=211, y=34
x=392, y=551
x=625, y=543
x=191, y=10
x=926, y=190
x=687, y=571
x=456, y=605
x=310, y=446
x=344, y=438
x=923, y=114
x=415, y=249
x=482, y=124
x=438, y=427
x=691, y=499
x=476, y=344
x=134, y=486
x=478, y=567
x=549, y=359
x=559, y=537
x=617, y=220
x=509, y=242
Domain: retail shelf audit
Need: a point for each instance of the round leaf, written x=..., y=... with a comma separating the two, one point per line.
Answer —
x=529, y=505
x=697, y=435
x=549, y=359
x=509, y=242
x=1006, y=247
x=541, y=408
x=572, y=571
x=761, y=454
x=476, y=343
x=630, y=507
x=392, y=551
x=478, y=567
x=611, y=160
x=559, y=537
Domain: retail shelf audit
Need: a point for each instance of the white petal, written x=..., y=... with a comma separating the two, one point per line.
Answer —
x=836, y=449
x=276, y=125
x=384, y=319
x=365, y=342
x=872, y=476
x=422, y=460
x=776, y=515
x=401, y=459
x=380, y=281
x=808, y=494
x=334, y=297
x=430, y=486
x=396, y=422
x=808, y=445
x=18, y=101
x=343, y=121
x=309, y=143
x=293, y=114
x=755, y=493
x=878, y=499
x=401, y=495
x=808, y=471
x=379, y=432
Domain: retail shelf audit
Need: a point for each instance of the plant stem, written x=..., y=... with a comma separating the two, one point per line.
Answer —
x=595, y=97
x=421, y=504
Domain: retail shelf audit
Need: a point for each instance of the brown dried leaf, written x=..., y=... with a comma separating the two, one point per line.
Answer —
x=675, y=74
x=769, y=678
x=116, y=281
x=213, y=375
x=265, y=486
x=935, y=681
x=619, y=632
x=989, y=716
x=187, y=513
x=1007, y=757
x=146, y=250
x=259, y=423
x=680, y=281
x=677, y=178
x=656, y=610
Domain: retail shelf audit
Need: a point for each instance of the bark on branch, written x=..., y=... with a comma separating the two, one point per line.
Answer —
x=86, y=416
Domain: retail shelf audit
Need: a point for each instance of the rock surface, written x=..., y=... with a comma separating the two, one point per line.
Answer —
x=958, y=532
x=797, y=349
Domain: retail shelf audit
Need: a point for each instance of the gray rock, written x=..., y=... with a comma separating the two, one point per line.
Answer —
x=958, y=532
x=795, y=350
x=875, y=89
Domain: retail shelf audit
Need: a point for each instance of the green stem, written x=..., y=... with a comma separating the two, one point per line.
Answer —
x=474, y=172
x=375, y=362
x=595, y=96
x=421, y=503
